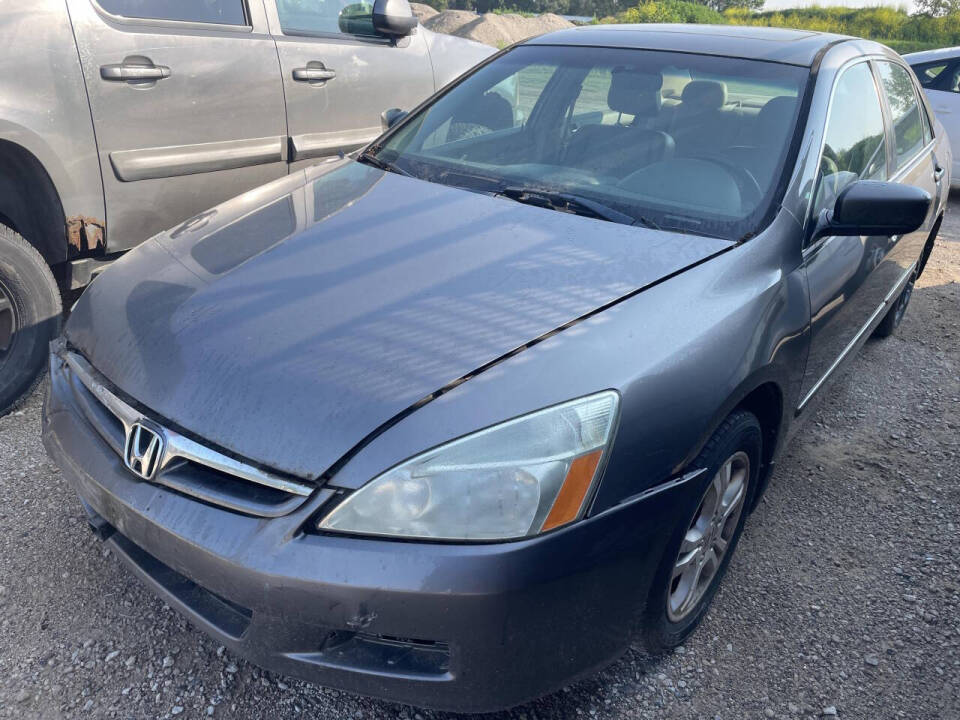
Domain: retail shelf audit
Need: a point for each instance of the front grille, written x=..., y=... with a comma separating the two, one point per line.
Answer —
x=185, y=465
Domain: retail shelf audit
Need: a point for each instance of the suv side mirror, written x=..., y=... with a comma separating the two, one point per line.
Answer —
x=394, y=18
x=868, y=207
x=389, y=118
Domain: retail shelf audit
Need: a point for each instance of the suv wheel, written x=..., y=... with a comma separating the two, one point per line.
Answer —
x=29, y=318
x=698, y=554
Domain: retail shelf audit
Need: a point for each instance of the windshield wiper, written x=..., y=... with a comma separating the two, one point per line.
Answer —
x=570, y=203
x=367, y=157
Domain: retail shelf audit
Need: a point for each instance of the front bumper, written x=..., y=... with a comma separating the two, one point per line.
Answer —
x=461, y=627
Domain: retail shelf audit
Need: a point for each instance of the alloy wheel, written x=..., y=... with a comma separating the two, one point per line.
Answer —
x=708, y=538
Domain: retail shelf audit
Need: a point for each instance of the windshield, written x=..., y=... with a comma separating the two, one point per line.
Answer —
x=669, y=140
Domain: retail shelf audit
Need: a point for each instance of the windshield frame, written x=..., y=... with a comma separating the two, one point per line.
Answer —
x=773, y=201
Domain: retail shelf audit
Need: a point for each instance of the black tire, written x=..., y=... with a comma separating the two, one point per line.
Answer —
x=30, y=312
x=739, y=435
x=891, y=321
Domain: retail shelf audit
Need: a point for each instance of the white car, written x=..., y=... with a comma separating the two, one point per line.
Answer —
x=939, y=74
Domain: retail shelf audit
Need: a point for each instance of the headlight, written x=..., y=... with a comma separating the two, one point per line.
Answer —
x=519, y=478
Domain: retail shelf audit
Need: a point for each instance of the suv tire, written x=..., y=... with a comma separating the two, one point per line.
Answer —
x=30, y=311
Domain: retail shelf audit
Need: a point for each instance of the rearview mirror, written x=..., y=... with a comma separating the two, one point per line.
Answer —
x=868, y=207
x=393, y=18
x=389, y=118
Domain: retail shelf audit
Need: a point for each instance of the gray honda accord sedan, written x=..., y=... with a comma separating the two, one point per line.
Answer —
x=454, y=421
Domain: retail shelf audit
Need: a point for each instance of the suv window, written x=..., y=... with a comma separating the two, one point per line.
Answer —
x=904, y=111
x=225, y=12
x=853, y=147
x=323, y=17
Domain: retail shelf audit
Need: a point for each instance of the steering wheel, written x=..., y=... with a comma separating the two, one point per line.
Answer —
x=746, y=182
x=829, y=162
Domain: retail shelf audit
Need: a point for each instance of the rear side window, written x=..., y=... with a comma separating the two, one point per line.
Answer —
x=929, y=73
x=940, y=75
x=223, y=12
x=853, y=147
x=325, y=17
x=904, y=111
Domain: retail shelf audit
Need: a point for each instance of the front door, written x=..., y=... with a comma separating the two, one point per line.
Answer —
x=842, y=272
x=339, y=75
x=188, y=106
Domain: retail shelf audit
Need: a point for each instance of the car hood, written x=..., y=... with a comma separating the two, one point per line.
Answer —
x=288, y=324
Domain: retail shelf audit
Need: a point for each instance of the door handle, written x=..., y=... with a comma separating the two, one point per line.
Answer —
x=937, y=173
x=314, y=73
x=125, y=72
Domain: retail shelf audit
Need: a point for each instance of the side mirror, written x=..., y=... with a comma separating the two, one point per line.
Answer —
x=868, y=207
x=389, y=118
x=393, y=18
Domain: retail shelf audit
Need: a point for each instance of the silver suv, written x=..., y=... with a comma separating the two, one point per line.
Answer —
x=119, y=118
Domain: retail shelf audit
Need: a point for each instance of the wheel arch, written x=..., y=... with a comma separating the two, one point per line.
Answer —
x=762, y=394
x=30, y=203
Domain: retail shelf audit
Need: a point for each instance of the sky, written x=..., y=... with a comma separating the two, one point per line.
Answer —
x=782, y=4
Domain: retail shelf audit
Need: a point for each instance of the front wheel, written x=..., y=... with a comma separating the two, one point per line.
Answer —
x=696, y=559
x=29, y=318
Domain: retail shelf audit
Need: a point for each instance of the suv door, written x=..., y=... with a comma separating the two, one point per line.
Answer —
x=339, y=74
x=187, y=103
x=941, y=81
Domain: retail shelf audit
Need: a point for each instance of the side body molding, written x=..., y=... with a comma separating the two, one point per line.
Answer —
x=175, y=160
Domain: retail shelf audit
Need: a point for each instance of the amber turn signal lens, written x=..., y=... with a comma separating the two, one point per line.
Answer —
x=570, y=499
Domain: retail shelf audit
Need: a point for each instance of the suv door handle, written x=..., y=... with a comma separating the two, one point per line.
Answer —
x=314, y=72
x=125, y=72
x=937, y=173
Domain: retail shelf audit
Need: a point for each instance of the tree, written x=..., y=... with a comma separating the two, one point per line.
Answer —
x=721, y=5
x=937, y=8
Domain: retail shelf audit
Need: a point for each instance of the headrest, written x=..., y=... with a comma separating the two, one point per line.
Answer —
x=490, y=110
x=775, y=119
x=634, y=93
x=704, y=94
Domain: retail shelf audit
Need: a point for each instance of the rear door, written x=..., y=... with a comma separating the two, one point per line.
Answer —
x=913, y=156
x=187, y=103
x=941, y=81
x=339, y=74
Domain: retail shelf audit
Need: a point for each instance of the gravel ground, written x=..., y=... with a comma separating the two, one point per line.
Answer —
x=844, y=598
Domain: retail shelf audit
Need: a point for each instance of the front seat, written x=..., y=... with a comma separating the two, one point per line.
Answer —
x=699, y=123
x=768, y=139
x=620, y=149
x=484, y=114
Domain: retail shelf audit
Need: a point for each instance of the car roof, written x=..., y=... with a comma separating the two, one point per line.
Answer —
x=794, y=47
x=941, y=53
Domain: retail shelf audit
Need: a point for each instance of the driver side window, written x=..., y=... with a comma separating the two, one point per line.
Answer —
x=854, y=147
x=309, y=17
